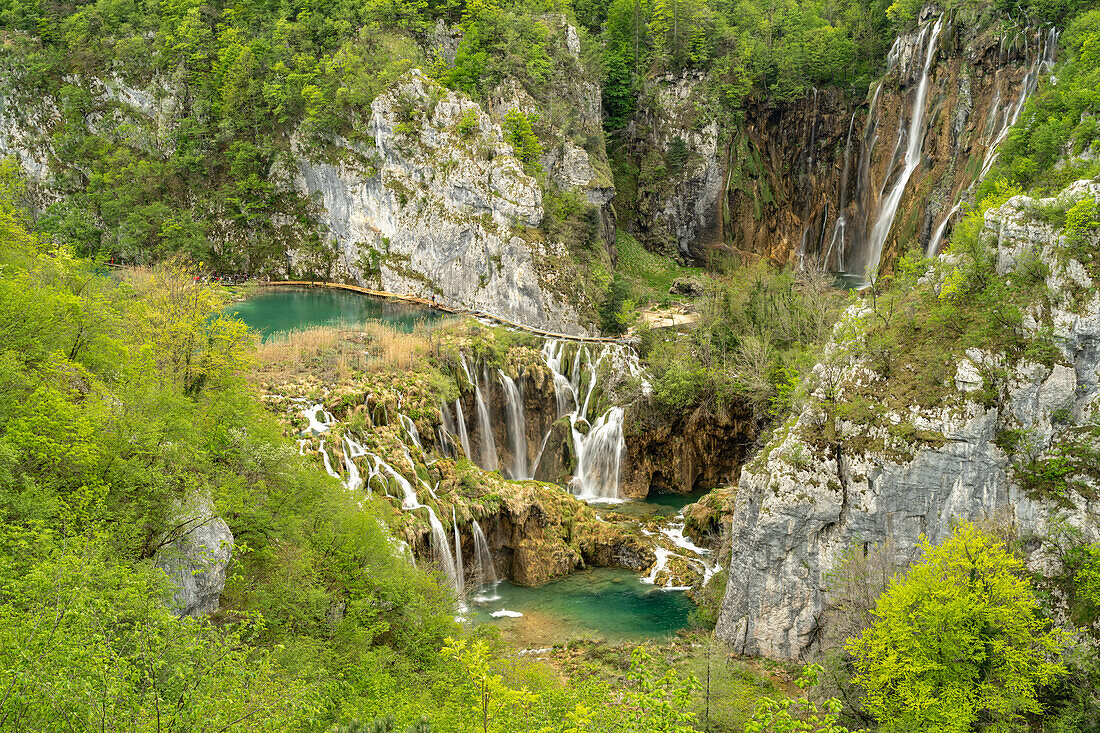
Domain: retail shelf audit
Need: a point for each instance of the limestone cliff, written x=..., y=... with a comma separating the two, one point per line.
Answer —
x=195, y=555
x=835, y=475
x=440, y=207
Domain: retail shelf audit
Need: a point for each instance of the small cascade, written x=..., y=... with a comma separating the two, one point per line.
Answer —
x=463, y=437
x=352, y=450
x=484, y=572
x=317, y=425
x=445, y=430
x=410, y=428
x=517, y=427
x=409, y=500
x=489, y=460
x=934, y=241
x=914, y=139
x=564, y=393
x=328, y=462
x=441, y=548
x=460, y=573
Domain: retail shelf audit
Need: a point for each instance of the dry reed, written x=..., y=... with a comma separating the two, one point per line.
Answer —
x=336, y=353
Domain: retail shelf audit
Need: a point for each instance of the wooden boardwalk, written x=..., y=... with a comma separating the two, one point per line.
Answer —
x=440, y=307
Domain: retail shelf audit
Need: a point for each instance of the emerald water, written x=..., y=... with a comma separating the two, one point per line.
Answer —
x=656, y=505
x=284, y=310
x=608, y=603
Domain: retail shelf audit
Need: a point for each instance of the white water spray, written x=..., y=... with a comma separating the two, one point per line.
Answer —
x=517, y=427
x=914, y=144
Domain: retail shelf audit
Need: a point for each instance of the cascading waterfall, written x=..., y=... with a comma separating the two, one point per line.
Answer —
x=489, y=460
x=596, y=435
x=328, y=463
x=445, y=430
x=410, y=428
x=441, y=548
x=317, y=425
x=460, y=573
x=352, y=450
x=599, y=457
x=485, y=574
x=914, y=139
x=600, y=448
x=517, y=428
x=463, y=437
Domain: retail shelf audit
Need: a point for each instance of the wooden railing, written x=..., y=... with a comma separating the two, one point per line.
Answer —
x=446, y=308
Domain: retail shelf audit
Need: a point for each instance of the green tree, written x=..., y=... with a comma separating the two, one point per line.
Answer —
x=959, y=643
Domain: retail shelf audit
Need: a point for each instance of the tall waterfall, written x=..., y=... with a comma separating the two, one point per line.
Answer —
x=1001, y=120
x=914, y=140
x=516, y=423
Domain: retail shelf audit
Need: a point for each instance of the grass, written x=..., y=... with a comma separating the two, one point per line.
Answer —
x=649, y=275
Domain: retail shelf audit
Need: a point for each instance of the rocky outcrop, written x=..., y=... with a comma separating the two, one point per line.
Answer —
x=439, y=206
x=680, y=168
x=195, y=556
x=828, y=481
x=678, y=454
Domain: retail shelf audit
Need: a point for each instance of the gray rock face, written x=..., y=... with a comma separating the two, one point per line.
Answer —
x=799, y=506
x=685, y=206
x=440, y=207
x=196, y=558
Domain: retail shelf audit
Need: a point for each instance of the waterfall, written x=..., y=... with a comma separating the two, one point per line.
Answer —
x=998, y=129
x=600, y=449
x=460, y=573
x=441, y=548
x=485, y=427
x=564, y=393
x=462, y=436
x=409, y=500
x=353, y=449
x=484, y=574
x=517, y=427
x=317, y=426
x=599, y=457
x=410, y=428
x=1043, y=62
x=841, y=227
x=934, y=242
x=445, y=430
x=328, y=463
x=914, y=144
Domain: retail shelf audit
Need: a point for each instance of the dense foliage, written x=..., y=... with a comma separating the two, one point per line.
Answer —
x=959, y=644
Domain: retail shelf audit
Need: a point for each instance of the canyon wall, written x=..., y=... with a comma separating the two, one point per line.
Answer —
x=805, y=181
x=831, y=479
